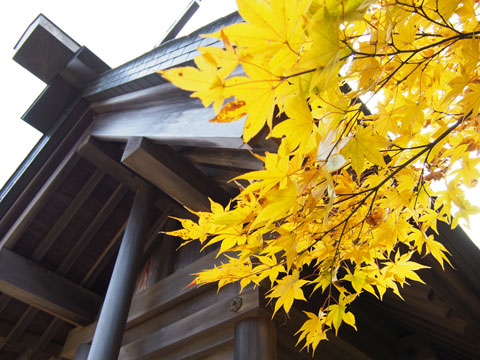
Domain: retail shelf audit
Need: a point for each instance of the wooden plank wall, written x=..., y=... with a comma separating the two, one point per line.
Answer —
x=169, y=320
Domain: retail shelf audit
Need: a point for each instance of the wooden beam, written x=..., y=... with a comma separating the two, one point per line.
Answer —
x=201, y=345
x=53, y=159
x=415, y=347
x=46, y=290
x=104, y=258
x=464, y=344
x=182, y=310
x=200, y=323
x=237, y=158
x=107, y=156
x=38, y=202
x=164, y=295
x=67, y=215
x=77, y=249
x=92, y=229
x=43, y=341
x=53, y=172
x=220, y=342
x=465, y=255
x=450, y=286
x=50, y=238
x=169, y=172
x=20, y=326
x=4, y=301
x=165, y=115
x=170, y=291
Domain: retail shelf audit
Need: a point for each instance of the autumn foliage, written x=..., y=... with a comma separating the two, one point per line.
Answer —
x=347, y=199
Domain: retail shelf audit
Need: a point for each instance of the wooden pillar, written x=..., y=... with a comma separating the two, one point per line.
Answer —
x=82, y=352
x=255, y=339
x=113, y=316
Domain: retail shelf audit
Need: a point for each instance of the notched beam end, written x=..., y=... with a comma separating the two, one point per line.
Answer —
x=173, y=174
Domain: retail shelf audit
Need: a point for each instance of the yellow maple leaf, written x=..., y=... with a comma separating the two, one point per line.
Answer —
x=232, y=111
x=287, y=290
x=337, y=314
x=312, y=330
x=437, y=250
x=258, y=95
x=402, y=268
x=298, y=128
x=204, y=81
x=365, y=146
x=359, y=280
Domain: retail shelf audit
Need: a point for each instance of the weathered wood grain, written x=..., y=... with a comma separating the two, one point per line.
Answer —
x=113, y=316
x=67, y=215
x=172, y=174
x=166, y=115
x=217, y=345
x=157, y=299
x=196, y=325
x=255, y=339
x=46, y=290
x=99, y=219
x=43, y=341
x=106, y=156
x=237, y=158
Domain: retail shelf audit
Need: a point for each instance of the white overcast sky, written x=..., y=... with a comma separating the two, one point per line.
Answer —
x=116, y=31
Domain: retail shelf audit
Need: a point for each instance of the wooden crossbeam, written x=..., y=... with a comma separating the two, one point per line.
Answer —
x=106, y=156
x=201, y=323
x=55, y=156
x=52, y=236
x=171, y=173
x=71, y=257
x=168, y=115
x=162, y=296
x=46, y=290
x=237, y=158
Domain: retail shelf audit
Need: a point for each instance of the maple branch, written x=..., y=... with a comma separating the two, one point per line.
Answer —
x=400, y=167
x=375, y=189
x=453, y=39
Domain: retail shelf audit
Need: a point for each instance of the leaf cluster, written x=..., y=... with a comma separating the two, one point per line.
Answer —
x=349, y=196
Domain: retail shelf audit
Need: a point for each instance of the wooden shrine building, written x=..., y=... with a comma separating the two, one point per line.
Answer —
x=122, y=151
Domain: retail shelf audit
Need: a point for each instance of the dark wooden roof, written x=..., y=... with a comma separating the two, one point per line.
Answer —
x=141, y=73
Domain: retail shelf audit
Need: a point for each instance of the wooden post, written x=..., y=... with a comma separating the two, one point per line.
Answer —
x=255, y=339
x=82, y=352
x=111, y=324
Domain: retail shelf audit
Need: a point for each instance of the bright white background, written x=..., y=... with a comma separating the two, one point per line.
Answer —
x=117, y=31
